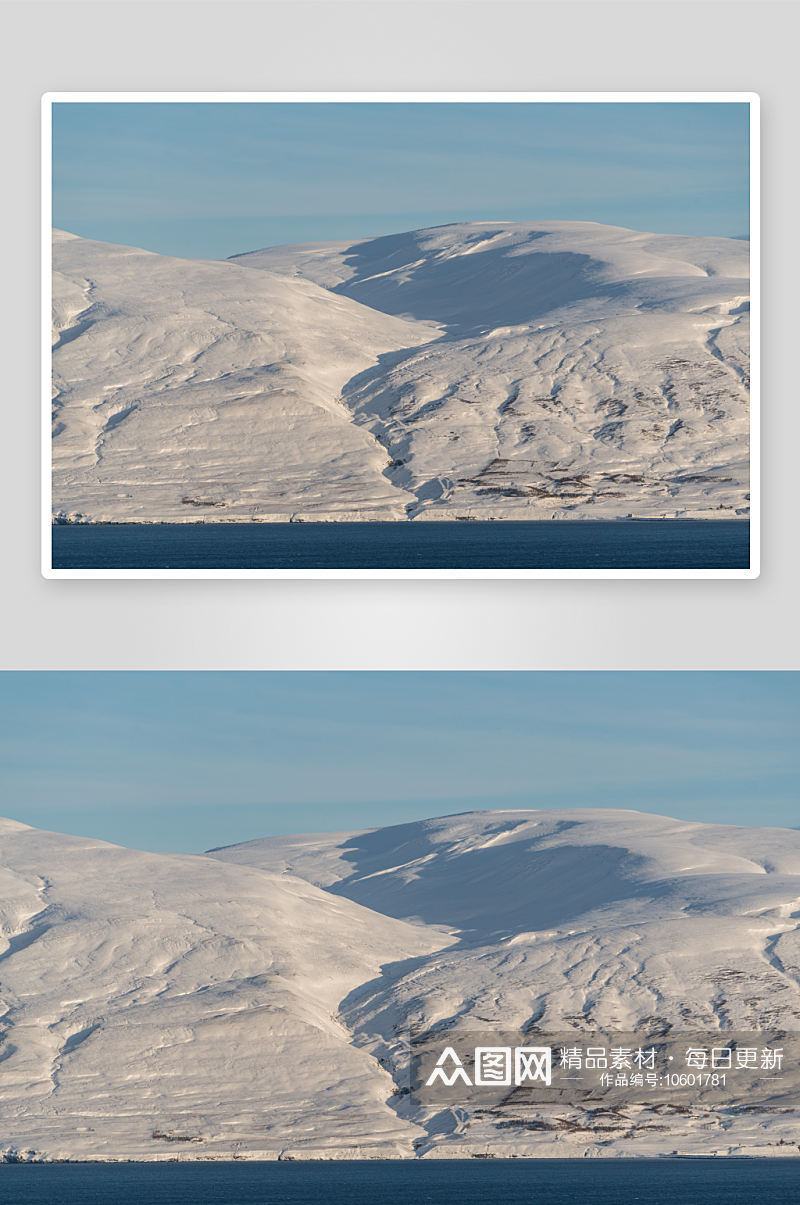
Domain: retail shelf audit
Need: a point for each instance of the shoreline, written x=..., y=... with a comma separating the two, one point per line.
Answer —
x=280, y=1157
x=57, y=522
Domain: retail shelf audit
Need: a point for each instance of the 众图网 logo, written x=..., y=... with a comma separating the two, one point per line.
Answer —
x=494, y=1066
x=711, y=1067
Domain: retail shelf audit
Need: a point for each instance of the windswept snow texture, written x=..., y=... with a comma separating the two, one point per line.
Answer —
x=153, y=1006
x=574, y=919
x=487, y=370
x=257, y=1001
x=586, y=371
x=186, y=389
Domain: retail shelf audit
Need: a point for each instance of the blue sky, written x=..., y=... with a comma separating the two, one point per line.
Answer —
x=187, y=761
x=209, y=180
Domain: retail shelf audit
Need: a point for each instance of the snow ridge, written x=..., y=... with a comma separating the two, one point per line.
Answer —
x=226, y=1005
x=484, y=370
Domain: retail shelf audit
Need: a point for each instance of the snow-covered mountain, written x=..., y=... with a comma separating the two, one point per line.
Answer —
x=152, y=1004
x=578, y=921
x=188, y=389
x=259, y=1000
x=484, y=370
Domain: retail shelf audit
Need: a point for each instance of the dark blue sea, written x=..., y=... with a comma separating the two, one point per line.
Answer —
x=571, y=544
x=443, y=1182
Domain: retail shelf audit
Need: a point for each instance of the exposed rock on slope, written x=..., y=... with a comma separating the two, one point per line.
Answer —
x=574, y=920
x=585, y=371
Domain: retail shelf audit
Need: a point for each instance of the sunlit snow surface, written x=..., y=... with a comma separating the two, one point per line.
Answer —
x=506, y=370
x=258, y=1000
x=149, y=1000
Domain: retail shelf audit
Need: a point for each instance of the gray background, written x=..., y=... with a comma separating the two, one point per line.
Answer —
x=441, y=45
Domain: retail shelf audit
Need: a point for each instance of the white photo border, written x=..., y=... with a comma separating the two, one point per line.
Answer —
x=50, y=98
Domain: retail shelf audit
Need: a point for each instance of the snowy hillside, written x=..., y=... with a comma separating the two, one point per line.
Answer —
x=485, y=370
x=258, y=1001
x=153, y=1005
x=577, y=919
x=188, y=389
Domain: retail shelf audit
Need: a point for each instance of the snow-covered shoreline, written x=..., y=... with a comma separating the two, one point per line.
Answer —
x=62, y=520
x=347, y=1155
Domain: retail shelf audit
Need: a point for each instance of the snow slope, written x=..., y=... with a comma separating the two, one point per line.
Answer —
x=577, y=919
x=585, y=369
x=485, y=370
x=153, y=1005
x=259, y=1001
x=187, y=389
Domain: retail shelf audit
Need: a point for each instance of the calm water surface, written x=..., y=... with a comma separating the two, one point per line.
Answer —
x=461, y=1182
x=571, y=544
x=442, y=1182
